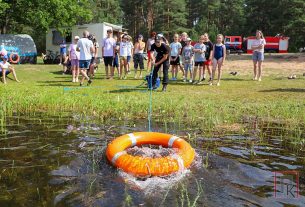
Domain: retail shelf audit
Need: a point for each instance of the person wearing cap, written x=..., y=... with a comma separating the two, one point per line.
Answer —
x=108, y=51
x=85, y=47
x=138, y=58
x=74, y=58
x=149, y=43
x=161, y=59
x=6, y=68
x=187, y=56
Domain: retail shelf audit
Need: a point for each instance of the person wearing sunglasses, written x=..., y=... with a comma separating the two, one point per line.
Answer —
x=161, y=59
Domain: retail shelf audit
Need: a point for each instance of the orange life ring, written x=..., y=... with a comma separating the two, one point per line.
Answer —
x=146, y=166
x=16, y=60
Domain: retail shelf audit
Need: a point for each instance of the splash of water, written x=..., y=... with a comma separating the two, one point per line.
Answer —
x=154, y=185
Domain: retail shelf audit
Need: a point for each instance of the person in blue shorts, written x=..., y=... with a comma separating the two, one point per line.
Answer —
x=116, y=61
x=86, y=48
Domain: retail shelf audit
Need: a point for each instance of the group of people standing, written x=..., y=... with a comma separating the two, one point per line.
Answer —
x=192, y=58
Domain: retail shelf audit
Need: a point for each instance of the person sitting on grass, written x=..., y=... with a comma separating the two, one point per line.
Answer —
x=85, y=47
x=175, y=51
x=6, y=68
x=219, y=57
x=187, y=56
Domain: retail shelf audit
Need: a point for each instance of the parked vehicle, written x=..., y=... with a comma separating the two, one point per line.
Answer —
x=234, y=44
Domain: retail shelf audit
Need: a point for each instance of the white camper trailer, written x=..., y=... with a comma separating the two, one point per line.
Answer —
x=54, y=37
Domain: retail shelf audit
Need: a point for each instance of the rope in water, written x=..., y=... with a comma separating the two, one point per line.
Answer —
x=150, y=99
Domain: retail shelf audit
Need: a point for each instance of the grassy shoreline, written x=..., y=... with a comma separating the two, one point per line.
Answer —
x=275, y=99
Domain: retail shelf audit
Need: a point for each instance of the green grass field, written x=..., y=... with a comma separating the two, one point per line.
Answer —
x=209, y=108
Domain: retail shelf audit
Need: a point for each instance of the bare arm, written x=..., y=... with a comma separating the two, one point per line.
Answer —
x=3, y=75
x=92, y=49
x=165, y=56
x=224, y=54
x=213, y=52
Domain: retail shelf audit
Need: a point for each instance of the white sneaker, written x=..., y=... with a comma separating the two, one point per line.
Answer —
x=259, y=79
x=218, y=84
x=73, y=81
x=254, y=78
x=184, y=80
x=191, y=81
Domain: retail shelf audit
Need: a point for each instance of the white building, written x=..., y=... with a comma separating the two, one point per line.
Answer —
x=54, y=37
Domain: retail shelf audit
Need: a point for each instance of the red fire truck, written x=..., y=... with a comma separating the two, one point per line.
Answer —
x=277, y=44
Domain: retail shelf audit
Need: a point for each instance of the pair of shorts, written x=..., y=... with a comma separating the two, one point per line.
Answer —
x=6, y=73
x=149, y=55
x=116, y=62
x=208, y=62
x=92, y=60
x=123, y=58
x=128, y=59
x=84, y=64
x=201, y=63
x=74, y=62
x=176, y=62
x=108, y=60
x=188, y=67
x=258, y=56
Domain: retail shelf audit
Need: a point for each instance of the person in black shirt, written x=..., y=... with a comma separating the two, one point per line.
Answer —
x=208, y=56
x=162, y=59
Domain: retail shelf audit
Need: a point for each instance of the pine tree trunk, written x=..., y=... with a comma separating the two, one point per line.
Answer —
x=150, y=16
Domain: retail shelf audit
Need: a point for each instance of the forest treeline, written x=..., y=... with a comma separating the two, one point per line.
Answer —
x=229, y=17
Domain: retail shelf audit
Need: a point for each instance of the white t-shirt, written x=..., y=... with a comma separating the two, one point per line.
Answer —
x=150, y=42
x=175, y=46
x=129, y=48
x=84, y=45
x=108, y=44
x=4, y=65
x=258, y=42
x=124, y=49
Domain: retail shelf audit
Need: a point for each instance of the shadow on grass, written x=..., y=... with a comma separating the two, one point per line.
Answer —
x=295, y=90
x=129, y=90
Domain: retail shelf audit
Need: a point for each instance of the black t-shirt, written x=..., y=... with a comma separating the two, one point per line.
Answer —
x=183, y=44
x=161, y=51
x=209, y=48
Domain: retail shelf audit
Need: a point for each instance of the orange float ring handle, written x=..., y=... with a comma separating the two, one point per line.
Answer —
x=146, y=166
x=16, y=60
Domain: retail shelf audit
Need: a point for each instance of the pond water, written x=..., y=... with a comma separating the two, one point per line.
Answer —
x=52, y=161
